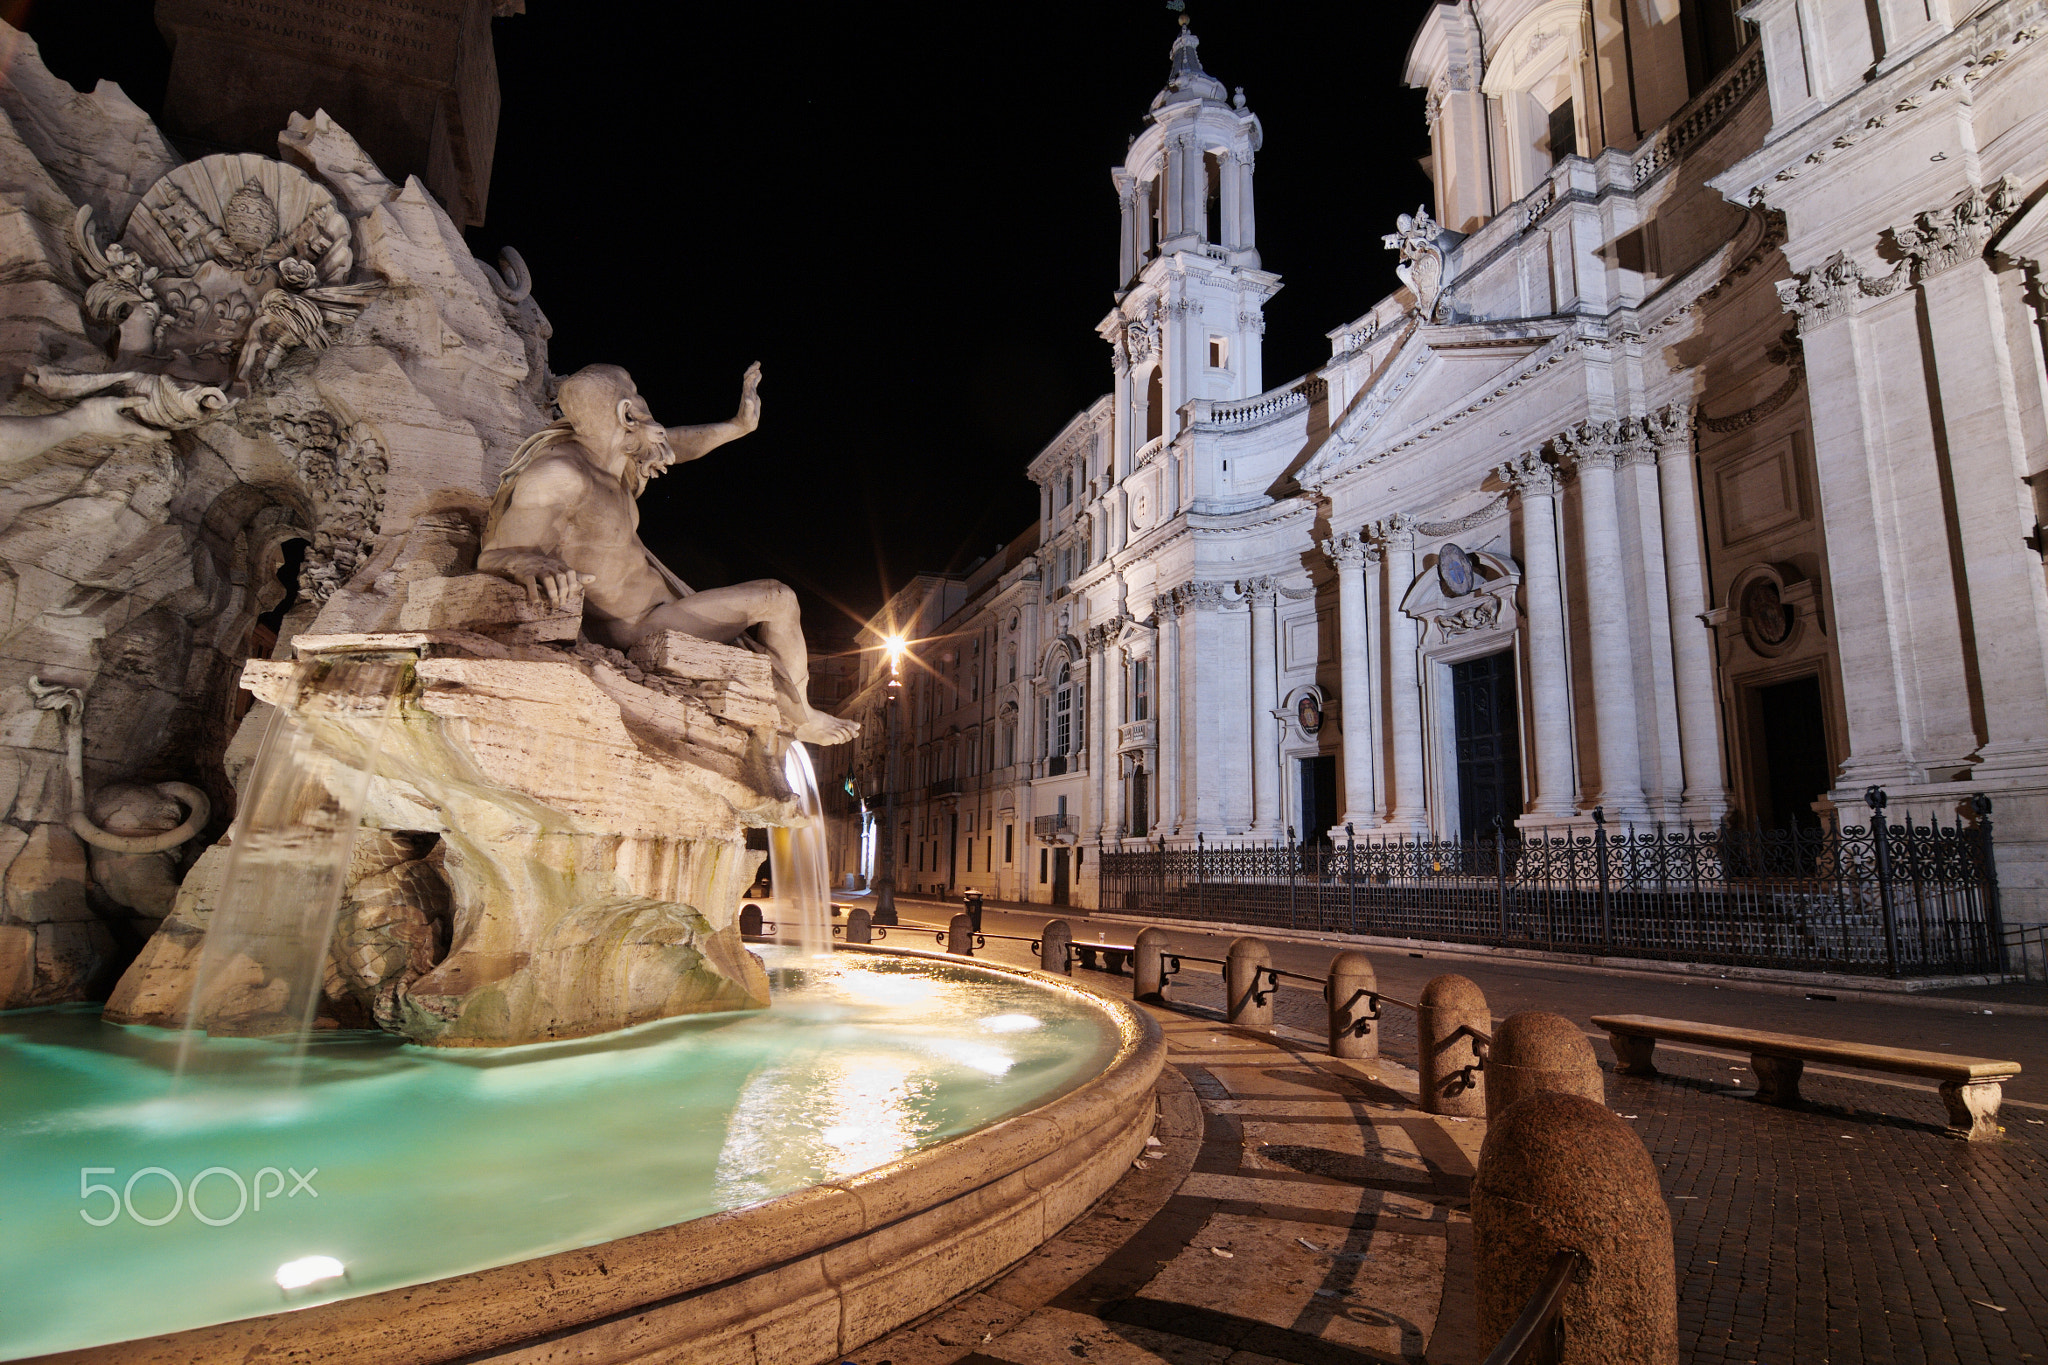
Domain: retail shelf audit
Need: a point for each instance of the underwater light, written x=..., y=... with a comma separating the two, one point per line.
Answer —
x=307, y=1270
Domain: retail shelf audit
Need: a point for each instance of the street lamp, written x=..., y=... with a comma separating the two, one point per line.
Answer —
x=885, y=885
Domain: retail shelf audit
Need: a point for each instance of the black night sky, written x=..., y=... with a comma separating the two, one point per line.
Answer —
x=904, y=212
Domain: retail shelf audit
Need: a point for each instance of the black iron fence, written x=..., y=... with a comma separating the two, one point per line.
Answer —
x=1903, y=899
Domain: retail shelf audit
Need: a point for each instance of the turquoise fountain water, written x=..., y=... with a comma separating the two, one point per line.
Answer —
x=136, y=1207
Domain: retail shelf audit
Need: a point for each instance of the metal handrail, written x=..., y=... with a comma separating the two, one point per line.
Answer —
x=1537, y=1338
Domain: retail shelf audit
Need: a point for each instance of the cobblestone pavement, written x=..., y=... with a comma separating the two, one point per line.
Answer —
x=1293, y=1209
x=1849, y=1229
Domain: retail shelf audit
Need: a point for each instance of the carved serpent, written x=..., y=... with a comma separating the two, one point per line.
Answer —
x=69, y=704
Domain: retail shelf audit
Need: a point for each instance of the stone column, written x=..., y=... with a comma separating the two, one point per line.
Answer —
x=1113, y=715
x=1650, y=611
x=1166, y=714
x=1231, y=196
x=1172, y=182
x=1692, y=645
x=1347, y=557
x=1549, y=706
x=1247, y=221
x=1267, y=806
x=1994, y=510
x=1128, y=252
x=1193, y=188
x=1377, y=612
x=1594, y=450
x=1404, y=686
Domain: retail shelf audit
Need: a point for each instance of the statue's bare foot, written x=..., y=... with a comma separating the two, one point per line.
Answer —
x=815, y=727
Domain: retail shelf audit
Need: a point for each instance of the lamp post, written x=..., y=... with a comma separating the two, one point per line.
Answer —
x=892, y=701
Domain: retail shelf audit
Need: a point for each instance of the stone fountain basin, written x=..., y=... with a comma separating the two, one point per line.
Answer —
x=805, y=1277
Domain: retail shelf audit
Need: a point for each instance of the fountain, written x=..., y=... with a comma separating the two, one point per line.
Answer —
x=448, y=1042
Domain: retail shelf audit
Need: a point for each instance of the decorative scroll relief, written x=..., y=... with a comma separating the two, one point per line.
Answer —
x=344, y=467
x=227, y=263
x=1471, y=521
x=1464, y=592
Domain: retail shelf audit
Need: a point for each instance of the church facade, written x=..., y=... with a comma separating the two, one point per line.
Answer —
x=1691, y=474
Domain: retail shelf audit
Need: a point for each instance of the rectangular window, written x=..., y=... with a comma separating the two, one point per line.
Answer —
x=920, y=855
x=1219, y=353
x=1564, y=133
x=1141, y=690
x=989, y=849
x=906, y=850
x=1041, y=867
x=1009, y=843
x=970, y=855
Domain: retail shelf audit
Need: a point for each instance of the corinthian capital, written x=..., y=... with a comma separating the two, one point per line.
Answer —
x=1529, y=475
x=1346, y=550
x=1262, y=591
x=1592, y=445
x=1670, y=429
x=1394, y=533
x=1941, y=238
x=1827, y=291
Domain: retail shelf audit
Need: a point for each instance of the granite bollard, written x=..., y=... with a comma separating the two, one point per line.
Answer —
x=1353, y=1008
x=1534, y=1051
x=1250, y=989
x=1053, y=948
x=1452, y=1010
x=960, y=935
x=1560, y=1172
x=1148, y=966
x=859, y=925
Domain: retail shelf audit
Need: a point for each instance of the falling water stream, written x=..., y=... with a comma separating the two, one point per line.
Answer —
x=265, y=954
x=796, y=861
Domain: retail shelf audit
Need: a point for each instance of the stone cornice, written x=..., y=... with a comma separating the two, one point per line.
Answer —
x=1978, y=48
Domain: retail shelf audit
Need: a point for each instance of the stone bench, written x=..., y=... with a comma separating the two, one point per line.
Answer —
x=1113, y=956
x=1971, y=1087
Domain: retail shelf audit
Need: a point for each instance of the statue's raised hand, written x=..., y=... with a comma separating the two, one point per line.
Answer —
x=750, y=398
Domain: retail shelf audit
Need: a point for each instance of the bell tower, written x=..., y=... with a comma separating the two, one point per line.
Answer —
x=1189, y=320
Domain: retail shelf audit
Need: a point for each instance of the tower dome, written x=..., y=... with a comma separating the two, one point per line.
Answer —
x=1186, y=80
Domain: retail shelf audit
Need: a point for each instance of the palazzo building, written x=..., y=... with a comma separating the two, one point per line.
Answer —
x=1691, y=474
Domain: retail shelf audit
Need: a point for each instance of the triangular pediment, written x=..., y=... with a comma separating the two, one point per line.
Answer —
x=1435, y=371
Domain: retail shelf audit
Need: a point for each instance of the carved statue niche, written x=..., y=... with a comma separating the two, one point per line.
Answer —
x=226, y=264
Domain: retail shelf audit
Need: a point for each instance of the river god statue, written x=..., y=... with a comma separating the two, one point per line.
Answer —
x=567, y=512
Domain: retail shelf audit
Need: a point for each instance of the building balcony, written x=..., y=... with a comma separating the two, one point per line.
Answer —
x=1137, y=734
x=945, y=786
x=1056, y=829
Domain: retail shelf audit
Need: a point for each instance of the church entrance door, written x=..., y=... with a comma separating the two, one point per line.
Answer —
x=1488, y=742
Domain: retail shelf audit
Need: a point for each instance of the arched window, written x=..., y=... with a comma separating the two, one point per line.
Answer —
x=1539, y=87
x=1063, y=711
x=1155, y=403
